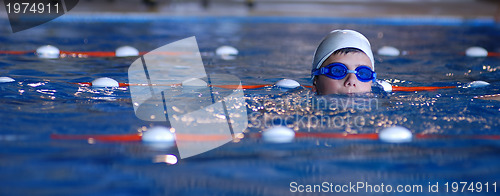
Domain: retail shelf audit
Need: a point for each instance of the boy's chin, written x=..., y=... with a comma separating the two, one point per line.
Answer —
x=356, y=91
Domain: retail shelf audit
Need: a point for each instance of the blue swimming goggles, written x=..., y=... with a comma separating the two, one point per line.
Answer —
x=338, y=71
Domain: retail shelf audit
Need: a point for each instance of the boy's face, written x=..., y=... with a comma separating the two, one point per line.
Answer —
x=350, y=83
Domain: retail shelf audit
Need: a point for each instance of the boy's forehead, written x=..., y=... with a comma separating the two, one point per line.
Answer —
x=352, y=58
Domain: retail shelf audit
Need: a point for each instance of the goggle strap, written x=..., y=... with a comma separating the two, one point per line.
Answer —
x=316, y=72
x=320, y=71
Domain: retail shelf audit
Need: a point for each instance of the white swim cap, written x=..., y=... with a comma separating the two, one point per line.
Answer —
x=339, y=39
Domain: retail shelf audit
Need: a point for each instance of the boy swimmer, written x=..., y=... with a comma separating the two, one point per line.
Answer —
x=343, y=64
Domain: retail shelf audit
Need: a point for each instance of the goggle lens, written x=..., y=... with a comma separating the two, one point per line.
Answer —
x=338, y=71
x=364, y=73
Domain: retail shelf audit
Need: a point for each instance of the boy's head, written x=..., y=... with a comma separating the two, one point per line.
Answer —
x=343, y=63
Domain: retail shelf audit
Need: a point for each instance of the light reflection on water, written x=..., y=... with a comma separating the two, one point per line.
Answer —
x=422, y=112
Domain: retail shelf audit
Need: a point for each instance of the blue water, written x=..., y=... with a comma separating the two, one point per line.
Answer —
x=43, y=101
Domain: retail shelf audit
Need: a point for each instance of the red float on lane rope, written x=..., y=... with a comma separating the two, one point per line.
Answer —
x=420, y=88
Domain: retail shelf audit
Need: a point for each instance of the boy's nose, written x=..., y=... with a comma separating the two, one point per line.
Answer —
x=350, y=80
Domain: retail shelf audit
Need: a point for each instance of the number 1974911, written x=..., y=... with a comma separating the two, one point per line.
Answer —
x=470, y=187
x=34, y=8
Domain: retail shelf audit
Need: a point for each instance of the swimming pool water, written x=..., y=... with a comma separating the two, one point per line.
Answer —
x=43, y=101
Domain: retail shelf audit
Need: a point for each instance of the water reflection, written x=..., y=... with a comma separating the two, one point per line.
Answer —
x=168, y=159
